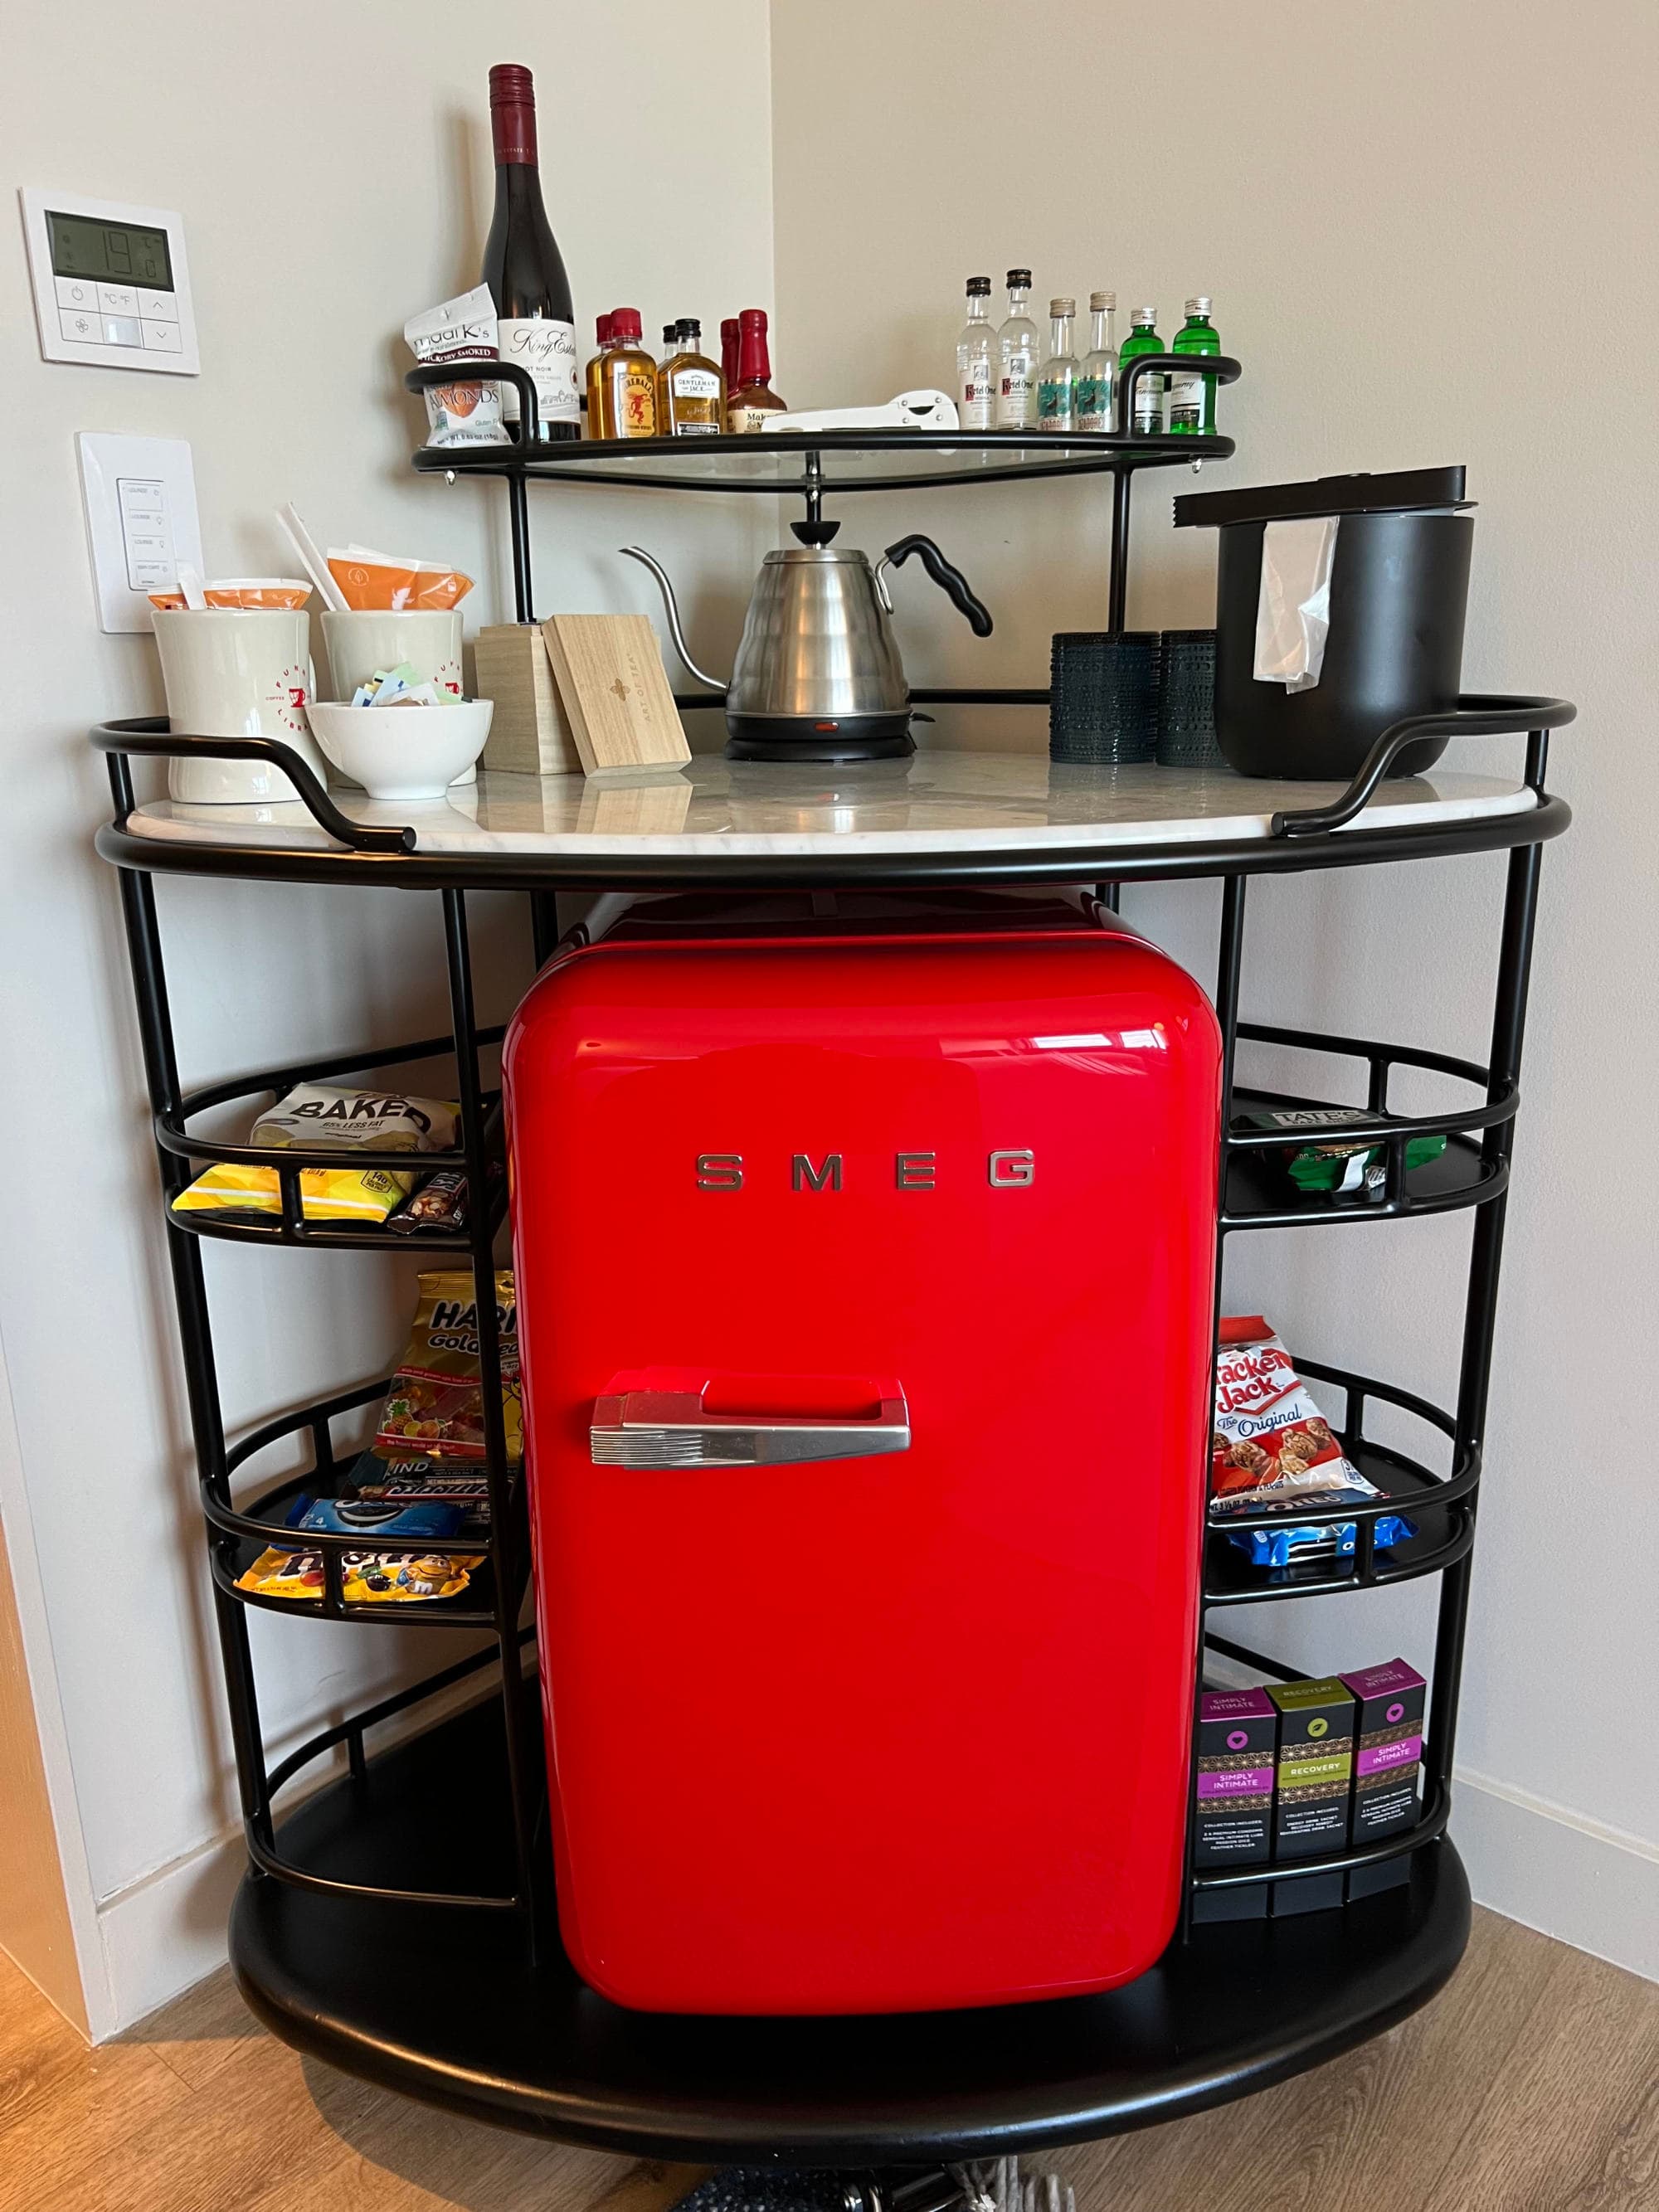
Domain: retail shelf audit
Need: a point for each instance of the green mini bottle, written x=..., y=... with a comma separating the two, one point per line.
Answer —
x=1191, y=397
x=1149, y=392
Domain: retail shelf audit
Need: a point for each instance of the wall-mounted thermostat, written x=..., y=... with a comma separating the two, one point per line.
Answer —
x=112, y=288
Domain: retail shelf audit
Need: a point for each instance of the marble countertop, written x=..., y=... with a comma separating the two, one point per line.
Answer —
x=934, y=802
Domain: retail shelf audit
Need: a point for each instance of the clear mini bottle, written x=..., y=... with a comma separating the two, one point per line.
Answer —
x=1017, y=359
x=1192, y=398
x=976, y=361
x=1096, y=383
x=1149, y=392
x=1057, y=382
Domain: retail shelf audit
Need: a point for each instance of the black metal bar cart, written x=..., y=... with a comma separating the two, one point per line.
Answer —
x=402, y=1932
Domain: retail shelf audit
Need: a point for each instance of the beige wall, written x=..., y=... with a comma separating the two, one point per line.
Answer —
x=1428, y=229
x=331, y=165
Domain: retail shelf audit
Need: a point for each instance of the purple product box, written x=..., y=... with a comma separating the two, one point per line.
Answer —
x=1237, y=1733
x=1387, y=1762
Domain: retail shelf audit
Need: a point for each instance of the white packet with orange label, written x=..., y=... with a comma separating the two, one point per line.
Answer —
x=463, y=329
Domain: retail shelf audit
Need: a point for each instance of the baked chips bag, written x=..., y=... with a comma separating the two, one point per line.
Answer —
x=316, y=1115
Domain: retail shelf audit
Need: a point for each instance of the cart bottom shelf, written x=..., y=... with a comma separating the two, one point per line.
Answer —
x=443, y=2004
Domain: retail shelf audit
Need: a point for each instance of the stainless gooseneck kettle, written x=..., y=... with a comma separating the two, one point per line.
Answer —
x=818, y=675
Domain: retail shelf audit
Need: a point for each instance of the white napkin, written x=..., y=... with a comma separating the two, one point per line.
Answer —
x=1293, y=610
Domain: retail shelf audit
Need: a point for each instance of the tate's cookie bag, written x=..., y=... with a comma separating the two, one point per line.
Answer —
x=1272, y=1448
x=435, y=1404
x=1346, y=1169
x=314, y=1115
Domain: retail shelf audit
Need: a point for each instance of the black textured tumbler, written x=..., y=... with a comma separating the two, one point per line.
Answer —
x=1186, y=705
x=1102, y=699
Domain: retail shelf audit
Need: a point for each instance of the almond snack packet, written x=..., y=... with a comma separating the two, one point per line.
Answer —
x=468, y=412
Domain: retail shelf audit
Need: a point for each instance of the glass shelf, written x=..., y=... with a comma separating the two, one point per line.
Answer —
x=805, y=462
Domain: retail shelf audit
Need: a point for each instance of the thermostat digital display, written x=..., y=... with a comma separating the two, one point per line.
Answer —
x=121, y=254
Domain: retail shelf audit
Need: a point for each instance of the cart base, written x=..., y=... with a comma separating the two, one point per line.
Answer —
x=443, y=2004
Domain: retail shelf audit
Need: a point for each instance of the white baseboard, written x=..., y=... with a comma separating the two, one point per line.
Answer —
x=165, y=1932
x=1593, y=1887
x=1537, y=1863
x=1542, y=1863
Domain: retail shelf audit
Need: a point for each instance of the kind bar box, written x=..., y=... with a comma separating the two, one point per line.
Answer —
x=1237, y=1732
x=1315, y=1780
x=1389, y=1760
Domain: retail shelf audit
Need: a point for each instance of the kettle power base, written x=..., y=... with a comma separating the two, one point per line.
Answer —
x=752, y=738
x=442, y=2002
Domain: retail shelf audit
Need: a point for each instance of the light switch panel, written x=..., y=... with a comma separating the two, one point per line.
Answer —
x=140, y=496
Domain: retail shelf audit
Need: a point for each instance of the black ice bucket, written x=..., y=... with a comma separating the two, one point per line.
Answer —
x=1398, y=590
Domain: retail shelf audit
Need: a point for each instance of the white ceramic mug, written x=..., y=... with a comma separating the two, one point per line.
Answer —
x=361, y=641
x=232, y=674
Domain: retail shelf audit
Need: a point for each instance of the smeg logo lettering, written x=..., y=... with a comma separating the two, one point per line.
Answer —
x=1008, y=1169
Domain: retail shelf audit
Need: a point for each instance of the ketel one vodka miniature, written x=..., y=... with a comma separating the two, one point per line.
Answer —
x=976, y=361
x=1017, y=359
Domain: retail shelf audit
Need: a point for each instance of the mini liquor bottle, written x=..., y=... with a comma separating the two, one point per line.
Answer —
x=1192, y=398
x=976, y=361
x=628, y=379
x=672, y=343
x=1149, y=392
x=692, y=389
x=1096, y=383
x=1017, y=359
x=596, y=426
x=1057, y=382
x=754, y=399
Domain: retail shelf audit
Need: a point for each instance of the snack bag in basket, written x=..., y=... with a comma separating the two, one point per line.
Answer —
x=1271, y=1445
x=435, y=1404
x=315, y=1114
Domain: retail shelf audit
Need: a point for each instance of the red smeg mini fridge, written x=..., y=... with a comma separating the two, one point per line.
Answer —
x=865, y=1250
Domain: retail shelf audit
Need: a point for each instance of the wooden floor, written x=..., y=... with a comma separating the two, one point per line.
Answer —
x=1531, y=2085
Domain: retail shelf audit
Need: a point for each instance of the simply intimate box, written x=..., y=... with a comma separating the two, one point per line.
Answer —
x=1237, y=1732
x=1388, y=1759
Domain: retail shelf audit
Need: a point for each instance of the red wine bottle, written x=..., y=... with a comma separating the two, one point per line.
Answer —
x=523, y=266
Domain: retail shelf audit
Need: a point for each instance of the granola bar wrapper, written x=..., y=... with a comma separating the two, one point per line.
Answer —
x=1270, y=1445
x=435, y=1404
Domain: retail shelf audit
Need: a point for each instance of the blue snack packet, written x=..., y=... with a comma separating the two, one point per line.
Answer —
x=378, y=1517
x=1281, y=1548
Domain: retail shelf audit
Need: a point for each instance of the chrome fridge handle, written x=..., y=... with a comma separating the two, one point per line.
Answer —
x=671, y=1428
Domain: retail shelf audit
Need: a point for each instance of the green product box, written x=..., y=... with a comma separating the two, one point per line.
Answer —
x=1346, y=1169
x=1313, y=1786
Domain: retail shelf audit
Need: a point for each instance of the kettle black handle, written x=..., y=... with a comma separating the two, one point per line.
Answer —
x=949, y=579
